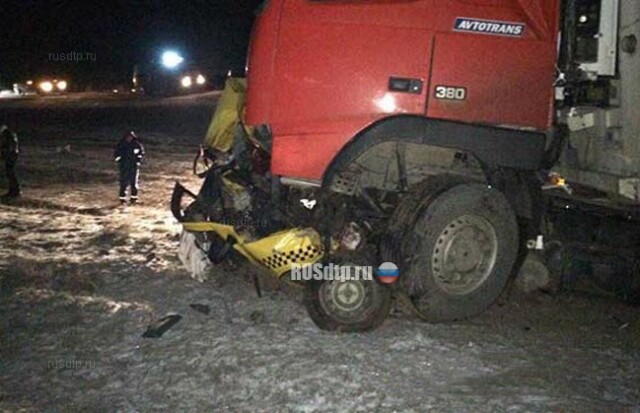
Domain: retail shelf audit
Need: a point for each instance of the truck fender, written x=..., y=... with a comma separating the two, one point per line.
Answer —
x=492, y=145
x=511, y=152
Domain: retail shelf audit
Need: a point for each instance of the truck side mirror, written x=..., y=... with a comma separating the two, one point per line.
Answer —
x=597, y=36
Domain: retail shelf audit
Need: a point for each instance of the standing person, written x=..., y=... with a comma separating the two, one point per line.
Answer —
x=9, y=152
x=128, y=154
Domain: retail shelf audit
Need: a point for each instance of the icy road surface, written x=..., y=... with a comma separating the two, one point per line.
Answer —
x=81, y=279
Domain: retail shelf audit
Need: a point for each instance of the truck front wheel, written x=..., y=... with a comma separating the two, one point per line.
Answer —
x=461, y=252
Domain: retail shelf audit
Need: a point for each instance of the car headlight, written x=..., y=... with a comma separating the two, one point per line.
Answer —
x=201, y=80
x=186, y=81
x=46, y=87
x=61, y=85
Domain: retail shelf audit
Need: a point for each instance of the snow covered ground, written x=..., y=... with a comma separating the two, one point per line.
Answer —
x=81, y=279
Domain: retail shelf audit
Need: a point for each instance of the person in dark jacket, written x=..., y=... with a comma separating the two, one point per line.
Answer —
x=9, y=152
x=128, y=154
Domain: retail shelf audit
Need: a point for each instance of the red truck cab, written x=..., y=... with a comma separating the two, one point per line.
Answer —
x=320, y=72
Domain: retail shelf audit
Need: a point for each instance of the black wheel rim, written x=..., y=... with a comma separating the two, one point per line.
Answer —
x=465, y=255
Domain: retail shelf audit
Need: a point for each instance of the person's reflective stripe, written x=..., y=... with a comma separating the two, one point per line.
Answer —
x=137, y=181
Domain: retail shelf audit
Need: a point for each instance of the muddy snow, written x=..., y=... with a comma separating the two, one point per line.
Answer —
x=82, y=279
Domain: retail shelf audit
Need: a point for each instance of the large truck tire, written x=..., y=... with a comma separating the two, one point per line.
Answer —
x=460, y=253
x=406, y=214
x=348, y=306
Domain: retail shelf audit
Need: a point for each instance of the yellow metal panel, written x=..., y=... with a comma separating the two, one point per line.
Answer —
x=223, y=230
x=230, y=109
x=278, y=252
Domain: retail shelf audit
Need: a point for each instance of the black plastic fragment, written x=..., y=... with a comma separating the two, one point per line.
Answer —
x=157, y=329
x=201, y=308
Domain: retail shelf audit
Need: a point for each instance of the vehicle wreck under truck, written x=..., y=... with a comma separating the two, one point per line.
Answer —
x=450, y=137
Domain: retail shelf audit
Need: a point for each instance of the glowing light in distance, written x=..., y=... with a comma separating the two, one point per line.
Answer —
x=171, y=59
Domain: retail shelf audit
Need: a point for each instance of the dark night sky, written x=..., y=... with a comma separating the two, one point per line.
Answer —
x=212, y=34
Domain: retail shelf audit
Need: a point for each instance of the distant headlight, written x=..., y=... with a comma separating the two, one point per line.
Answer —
x=186, y=81
x=62, y=85
x=46, y=87
x=201, y=80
